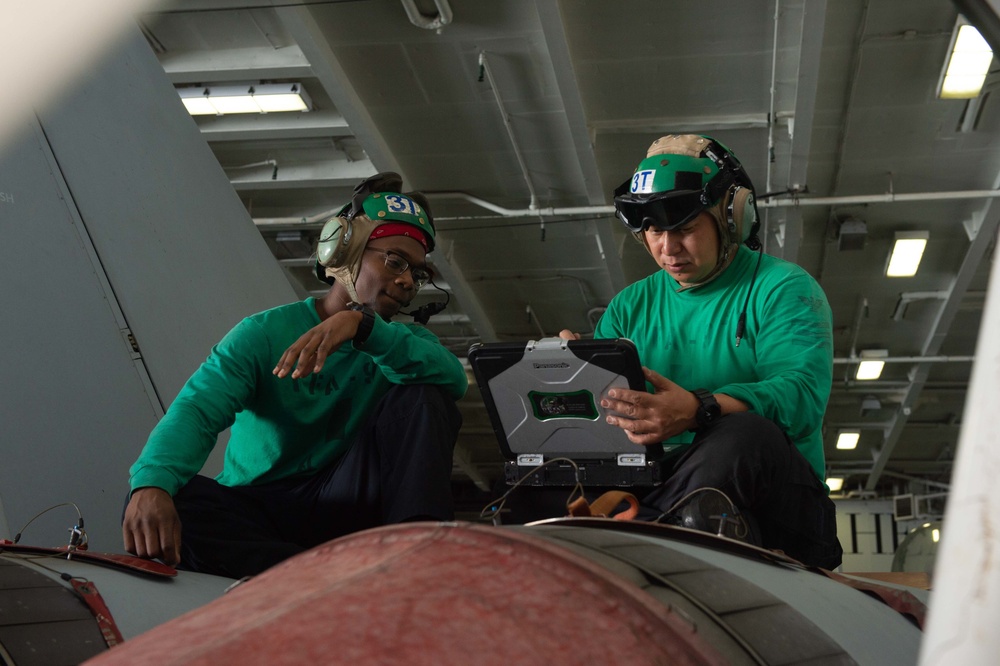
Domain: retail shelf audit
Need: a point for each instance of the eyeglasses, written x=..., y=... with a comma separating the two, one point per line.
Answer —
x=397, y=265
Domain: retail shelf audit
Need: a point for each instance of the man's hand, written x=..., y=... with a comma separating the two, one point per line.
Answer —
x=317, y=343
x=152, y=528
x=567, y=334
x=650, y=418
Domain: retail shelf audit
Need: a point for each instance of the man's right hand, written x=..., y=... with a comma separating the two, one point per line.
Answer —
x=152, y=528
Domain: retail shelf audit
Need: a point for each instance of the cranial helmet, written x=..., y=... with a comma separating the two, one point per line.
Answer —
x=376, y=201
x=682, y=176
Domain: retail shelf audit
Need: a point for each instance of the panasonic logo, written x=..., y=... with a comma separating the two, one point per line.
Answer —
x=550, y=365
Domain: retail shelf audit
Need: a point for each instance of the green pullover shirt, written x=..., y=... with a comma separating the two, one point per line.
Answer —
x=783, y=368
x=285, y=427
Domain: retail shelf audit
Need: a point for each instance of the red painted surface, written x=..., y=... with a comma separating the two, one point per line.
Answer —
x=116, y=560
x=426, y=593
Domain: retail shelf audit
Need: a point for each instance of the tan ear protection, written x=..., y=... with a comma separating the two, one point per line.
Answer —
x=741, y=215
x=335, y=241
x=338, y=252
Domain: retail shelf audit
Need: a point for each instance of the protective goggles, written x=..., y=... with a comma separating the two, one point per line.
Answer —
x=666, y=210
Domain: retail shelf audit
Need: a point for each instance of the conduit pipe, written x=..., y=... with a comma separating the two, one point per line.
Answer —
x=771, y=119
x=909, y=359
x=888, y=197
x=485, y=68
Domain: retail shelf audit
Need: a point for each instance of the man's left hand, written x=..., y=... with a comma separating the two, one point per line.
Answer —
x=650, y=418
x=308, y=354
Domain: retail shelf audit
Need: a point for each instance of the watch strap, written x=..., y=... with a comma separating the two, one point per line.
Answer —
x=709, y=409
x=367, y=322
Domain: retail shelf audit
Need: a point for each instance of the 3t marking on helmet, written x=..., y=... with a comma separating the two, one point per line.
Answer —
x=396, y=203
x=642, y=181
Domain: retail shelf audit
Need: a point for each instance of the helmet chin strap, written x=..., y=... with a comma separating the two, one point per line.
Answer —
x=345, y=277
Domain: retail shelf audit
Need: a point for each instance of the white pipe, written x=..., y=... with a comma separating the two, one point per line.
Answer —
x=909, y=359
x=437, y=22
x=888, y=197
x=484, y=64
x=965, y=605
x=771, y=120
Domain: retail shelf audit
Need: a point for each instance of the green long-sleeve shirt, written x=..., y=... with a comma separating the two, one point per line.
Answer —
x=783, y=368
x=285, y=427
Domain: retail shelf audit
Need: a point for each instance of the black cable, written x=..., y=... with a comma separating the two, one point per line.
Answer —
x=777, y=193
x=741, y=324
x=422, y=314
x=492, y=510
x=78, y=536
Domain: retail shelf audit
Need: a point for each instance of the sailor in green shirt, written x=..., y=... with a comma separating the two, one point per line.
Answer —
x=342, y=419
x=738, y=355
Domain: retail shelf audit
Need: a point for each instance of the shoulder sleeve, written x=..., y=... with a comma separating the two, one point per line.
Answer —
x=794, y=355
x=611, y=323
x=223, y=385
x=411, y=354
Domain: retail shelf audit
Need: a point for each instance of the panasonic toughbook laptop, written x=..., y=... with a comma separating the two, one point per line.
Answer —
x=543, y=398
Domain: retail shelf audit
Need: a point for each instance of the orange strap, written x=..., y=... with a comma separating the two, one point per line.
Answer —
x=604, y=505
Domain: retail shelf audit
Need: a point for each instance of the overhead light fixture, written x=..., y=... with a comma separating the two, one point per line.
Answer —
x=263, y=98
x=967, y=64
x=848, y=439
x=872, y=362
x=906, y=253
x=835, y=483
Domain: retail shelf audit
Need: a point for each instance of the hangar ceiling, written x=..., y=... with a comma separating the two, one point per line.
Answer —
x=519, y=117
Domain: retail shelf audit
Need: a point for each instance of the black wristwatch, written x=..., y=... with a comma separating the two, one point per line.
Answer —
x=367, y=322
x=709, y=410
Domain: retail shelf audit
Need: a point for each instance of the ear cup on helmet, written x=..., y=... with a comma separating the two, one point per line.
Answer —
x=741, y=215
x=334, y=242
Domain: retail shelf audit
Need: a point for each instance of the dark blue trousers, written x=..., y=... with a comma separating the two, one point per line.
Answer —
x=751, y=460
x=398, y=469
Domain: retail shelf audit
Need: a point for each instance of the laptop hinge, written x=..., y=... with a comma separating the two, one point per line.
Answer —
x=632, y=459
x=546, y=344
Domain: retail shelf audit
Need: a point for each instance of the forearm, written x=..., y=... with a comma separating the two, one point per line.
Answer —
x=408, y=355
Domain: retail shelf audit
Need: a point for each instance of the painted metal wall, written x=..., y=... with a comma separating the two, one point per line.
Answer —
x=125, y=255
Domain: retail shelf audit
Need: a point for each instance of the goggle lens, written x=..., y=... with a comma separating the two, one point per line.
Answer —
x=666, y=212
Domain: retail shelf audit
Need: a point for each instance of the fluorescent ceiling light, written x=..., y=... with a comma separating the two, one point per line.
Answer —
x=871, y=365
x=848, y=439
x=834, y=483
x=197, y=104
x=906, y=253
x=264, y=98
x=967, y=64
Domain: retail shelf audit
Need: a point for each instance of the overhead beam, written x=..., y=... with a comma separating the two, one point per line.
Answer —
x=269, y=126
x=586, y=162
x=251, y=64
x=990, y=215
x=330, y=72
x=329, y=173
x=809, y=40
x=444, y=263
